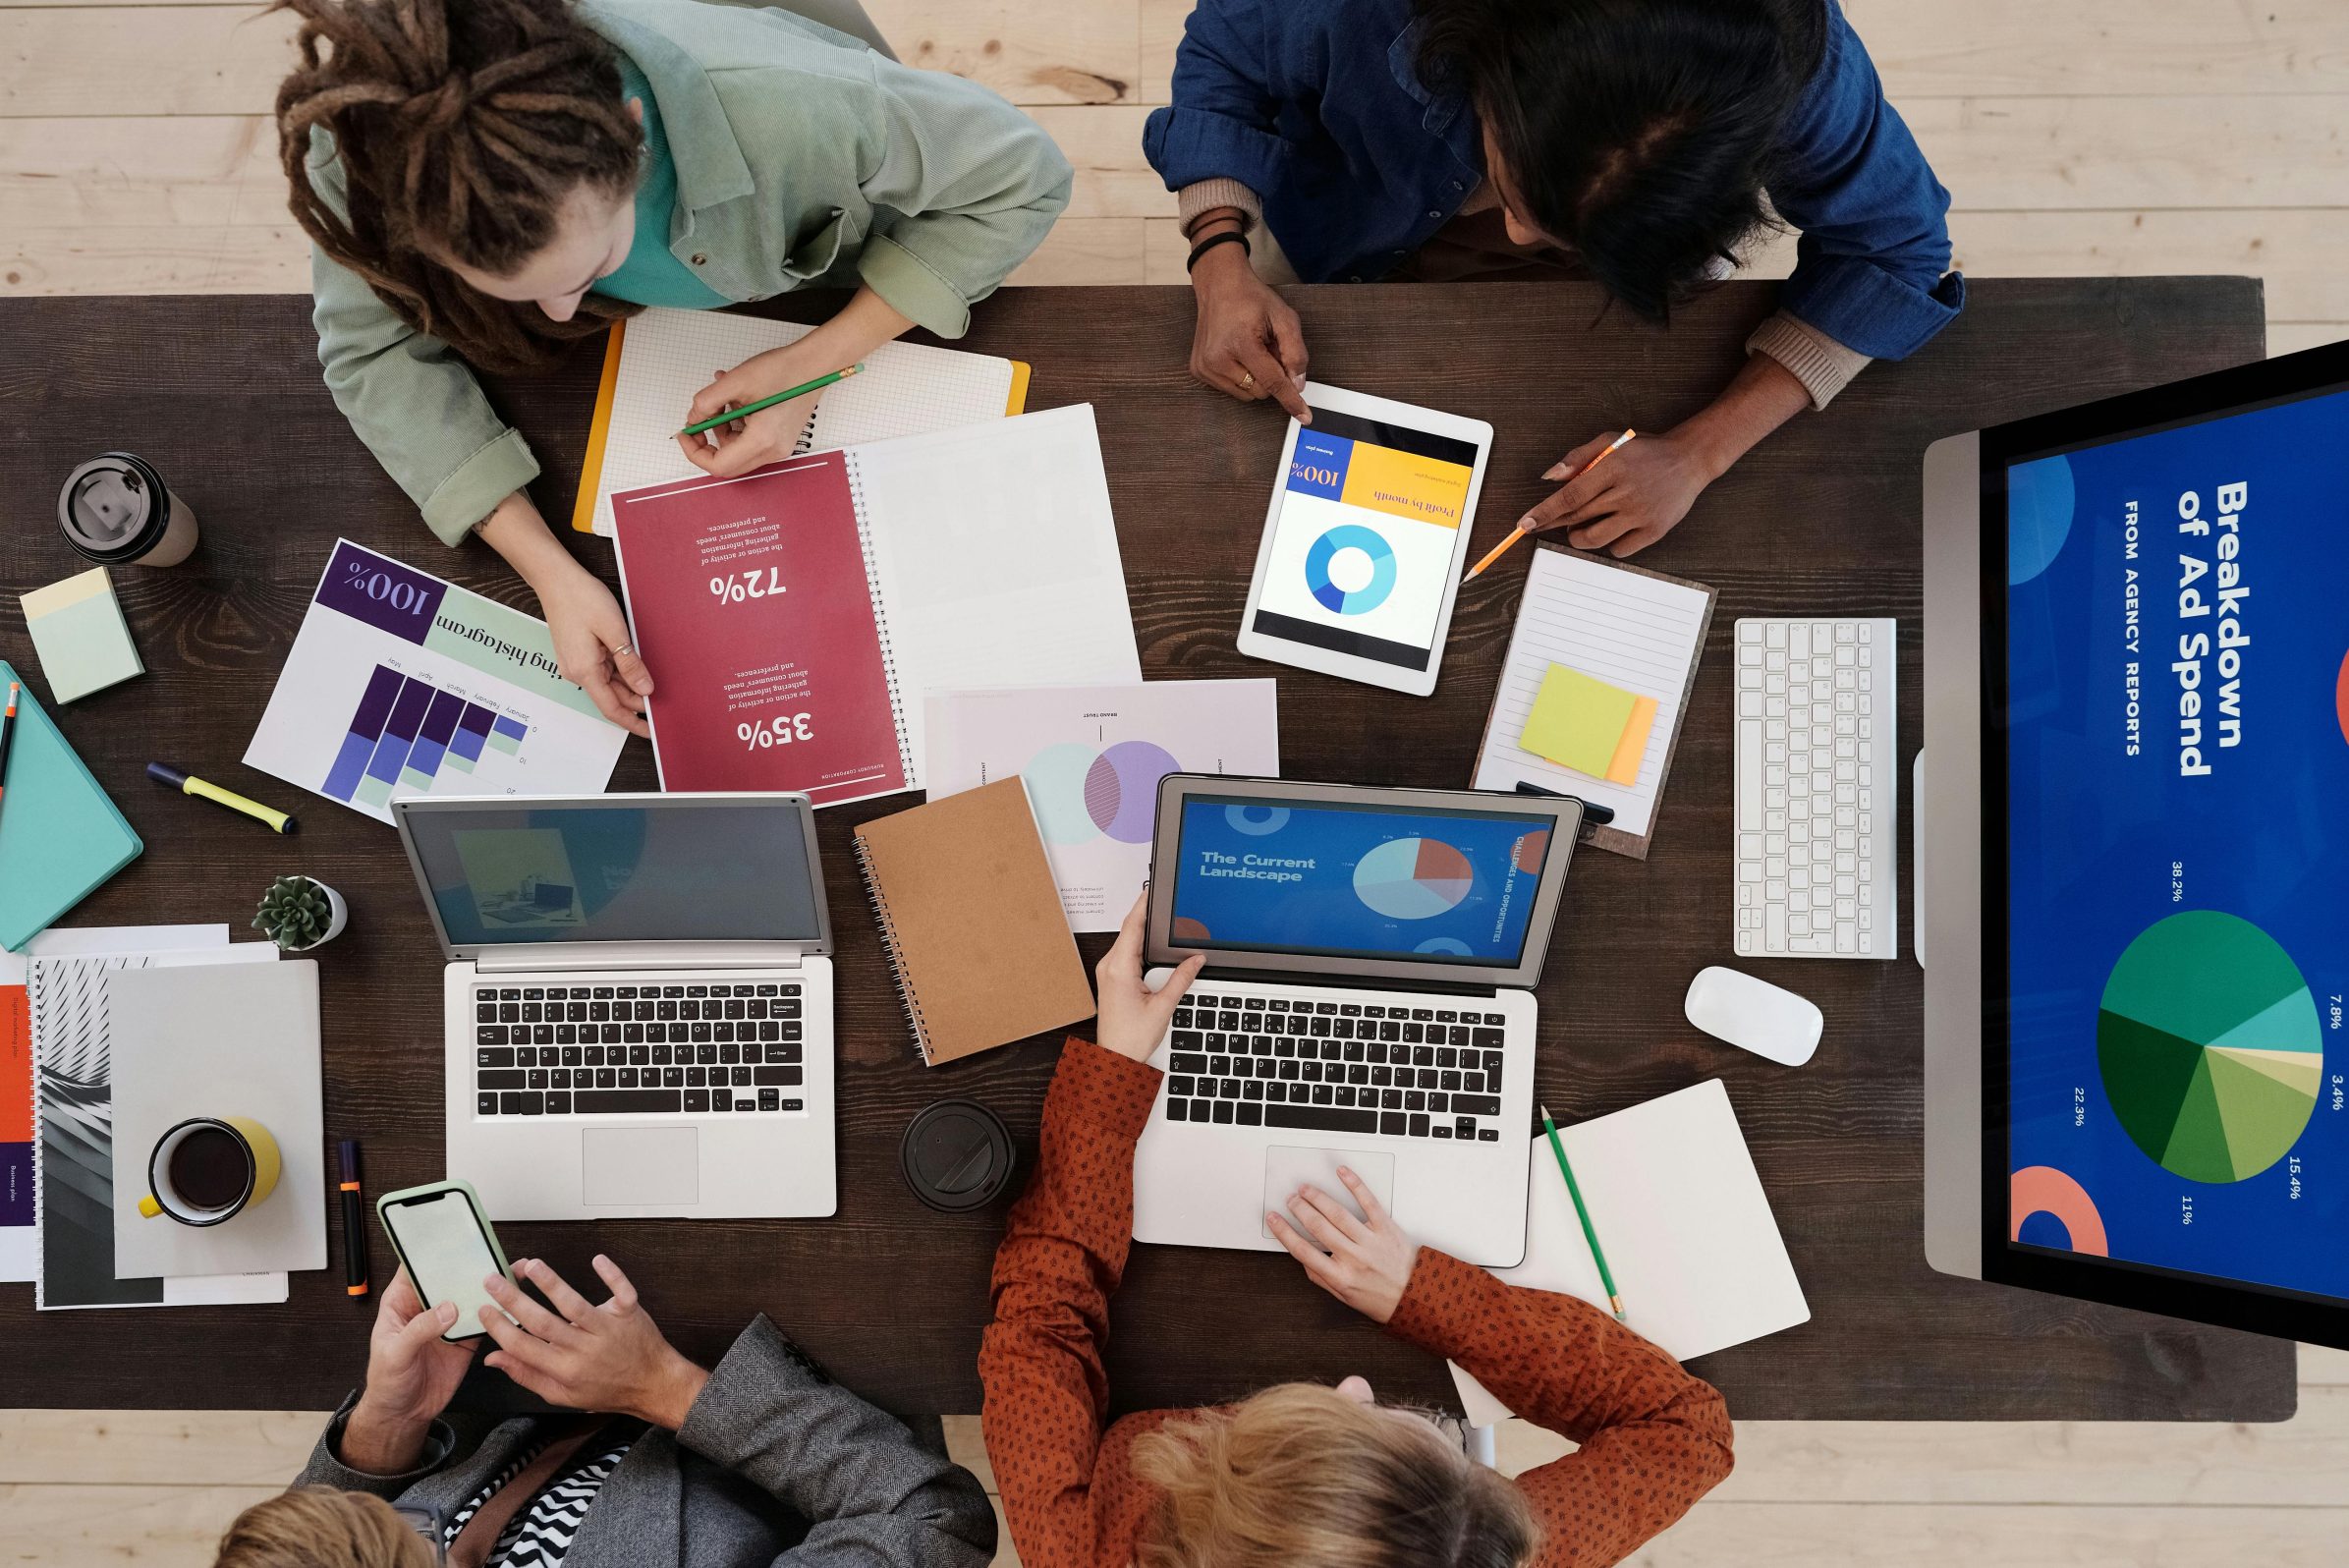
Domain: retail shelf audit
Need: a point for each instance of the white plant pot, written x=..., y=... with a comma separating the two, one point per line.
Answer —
x=339, y=915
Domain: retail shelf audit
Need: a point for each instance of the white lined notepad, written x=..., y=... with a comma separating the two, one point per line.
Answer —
x=1629, y=629
x=668, y=355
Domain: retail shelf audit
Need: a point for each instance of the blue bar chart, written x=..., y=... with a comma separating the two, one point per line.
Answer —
x=409, y=733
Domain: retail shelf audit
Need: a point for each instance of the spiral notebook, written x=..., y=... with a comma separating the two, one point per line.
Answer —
x=655, y=362
x=794, y=617
x=970, y=919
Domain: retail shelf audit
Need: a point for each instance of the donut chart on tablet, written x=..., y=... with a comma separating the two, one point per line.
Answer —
x=1351, y=569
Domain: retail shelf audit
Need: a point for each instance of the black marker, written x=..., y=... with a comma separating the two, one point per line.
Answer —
x=1594, y=814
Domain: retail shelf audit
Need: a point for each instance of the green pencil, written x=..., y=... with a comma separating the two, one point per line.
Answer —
x=1598, y=1255
x=784, y=395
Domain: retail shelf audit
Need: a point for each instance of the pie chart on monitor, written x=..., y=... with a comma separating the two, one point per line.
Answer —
x=1413, y=878
x=2210, y=1048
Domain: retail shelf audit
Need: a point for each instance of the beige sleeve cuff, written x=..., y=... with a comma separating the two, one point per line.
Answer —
x=1824, y=365
x=1205, y=195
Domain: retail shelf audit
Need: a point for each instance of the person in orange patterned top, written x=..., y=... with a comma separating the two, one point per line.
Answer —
x=1300, y=1476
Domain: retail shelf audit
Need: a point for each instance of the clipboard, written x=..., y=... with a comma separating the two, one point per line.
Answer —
x=1644, y=632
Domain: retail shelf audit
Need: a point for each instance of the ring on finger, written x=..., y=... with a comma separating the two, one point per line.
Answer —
x=1247, y=379
x=624, y=648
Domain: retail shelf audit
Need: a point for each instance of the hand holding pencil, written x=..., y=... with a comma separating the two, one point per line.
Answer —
x=1531, y=522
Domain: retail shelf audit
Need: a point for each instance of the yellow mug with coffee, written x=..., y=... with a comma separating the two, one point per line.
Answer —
x=208, y=1169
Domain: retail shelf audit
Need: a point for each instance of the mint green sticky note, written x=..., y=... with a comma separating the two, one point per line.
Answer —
x=78, y=632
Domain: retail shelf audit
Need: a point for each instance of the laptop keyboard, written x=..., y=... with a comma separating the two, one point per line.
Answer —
x=637, y=1051
x=1334, y=1066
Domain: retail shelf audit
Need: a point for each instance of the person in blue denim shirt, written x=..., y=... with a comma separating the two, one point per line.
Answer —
x=1640, y=143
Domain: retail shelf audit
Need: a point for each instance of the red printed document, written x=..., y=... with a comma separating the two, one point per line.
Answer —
x=794, y=617
x=752, y=609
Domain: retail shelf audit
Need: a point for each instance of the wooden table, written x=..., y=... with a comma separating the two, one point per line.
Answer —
x=224, y=396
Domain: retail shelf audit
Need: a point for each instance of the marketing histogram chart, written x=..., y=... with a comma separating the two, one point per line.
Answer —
x=409, y=732
x=400, y=684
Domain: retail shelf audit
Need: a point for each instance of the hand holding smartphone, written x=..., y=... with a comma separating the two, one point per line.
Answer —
x=448, y=1247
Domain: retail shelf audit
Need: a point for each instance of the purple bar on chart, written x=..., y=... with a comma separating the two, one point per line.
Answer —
x=513, y=727
x=367, y=727
x=398, y=732
x=440, y=722
x=472, y=726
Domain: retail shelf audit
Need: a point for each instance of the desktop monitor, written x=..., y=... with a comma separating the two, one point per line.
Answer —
x=2135, y=849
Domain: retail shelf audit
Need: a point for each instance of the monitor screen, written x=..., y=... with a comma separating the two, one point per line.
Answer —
x=2176, y=738
x=1439, y=886
x=652, y=872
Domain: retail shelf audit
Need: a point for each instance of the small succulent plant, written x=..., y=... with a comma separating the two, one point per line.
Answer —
x=295, y=912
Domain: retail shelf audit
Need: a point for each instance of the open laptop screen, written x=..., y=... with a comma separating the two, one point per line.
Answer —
x=1433, y=886
x=617, y=872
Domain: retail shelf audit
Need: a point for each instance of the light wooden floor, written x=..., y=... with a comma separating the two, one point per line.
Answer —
x=2078, y=138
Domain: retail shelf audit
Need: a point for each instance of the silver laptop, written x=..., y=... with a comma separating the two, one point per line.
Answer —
x=639, y=1002
x=1367, y=1001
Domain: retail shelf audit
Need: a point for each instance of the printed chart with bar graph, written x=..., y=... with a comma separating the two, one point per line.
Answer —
x=410, y=733
x=400, y=684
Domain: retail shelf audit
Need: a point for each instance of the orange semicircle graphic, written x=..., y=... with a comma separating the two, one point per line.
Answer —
x=2044, y=1189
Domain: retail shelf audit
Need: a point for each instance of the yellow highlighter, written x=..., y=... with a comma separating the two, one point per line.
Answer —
x=187, y=784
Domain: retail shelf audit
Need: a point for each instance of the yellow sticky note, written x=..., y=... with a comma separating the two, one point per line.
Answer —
x=1624, y=768
x=1578, y=720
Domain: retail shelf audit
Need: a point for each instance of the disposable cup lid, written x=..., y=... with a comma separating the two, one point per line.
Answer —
x=956, y=1156
x=112, y=503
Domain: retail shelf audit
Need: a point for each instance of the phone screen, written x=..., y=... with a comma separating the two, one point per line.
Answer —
x=441, y=1240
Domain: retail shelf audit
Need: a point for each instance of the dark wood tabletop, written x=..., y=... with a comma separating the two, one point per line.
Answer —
x=224, y=396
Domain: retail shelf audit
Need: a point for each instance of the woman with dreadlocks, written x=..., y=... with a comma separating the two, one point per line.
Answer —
x=484, y=181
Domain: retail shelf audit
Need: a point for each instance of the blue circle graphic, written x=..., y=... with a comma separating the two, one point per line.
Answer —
x=2040, y=500
x=1350, y=536
x=1257, y=820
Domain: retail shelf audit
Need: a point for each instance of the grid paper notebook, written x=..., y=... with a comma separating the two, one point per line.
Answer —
x=654, y=362
x=1627, y=627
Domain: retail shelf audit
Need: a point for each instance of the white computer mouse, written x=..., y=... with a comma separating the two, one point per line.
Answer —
x=1755, y=1014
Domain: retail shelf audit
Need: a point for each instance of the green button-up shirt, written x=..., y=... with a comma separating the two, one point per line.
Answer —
x=803, y=158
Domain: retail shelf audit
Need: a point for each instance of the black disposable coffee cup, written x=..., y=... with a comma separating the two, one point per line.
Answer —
x=956, y=1156
x=117, y=511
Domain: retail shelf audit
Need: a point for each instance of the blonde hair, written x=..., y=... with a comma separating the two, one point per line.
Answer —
x=319, y=1527
x=1302, y=1476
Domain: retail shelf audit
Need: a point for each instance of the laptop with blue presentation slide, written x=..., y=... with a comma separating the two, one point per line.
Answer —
x=1367, y=1001
x=2136, y=858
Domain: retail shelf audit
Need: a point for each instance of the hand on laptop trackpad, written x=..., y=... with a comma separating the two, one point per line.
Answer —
x=641, y=1165
x=1288, y=1170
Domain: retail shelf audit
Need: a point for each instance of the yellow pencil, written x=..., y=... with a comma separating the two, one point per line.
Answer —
x=1516, y=533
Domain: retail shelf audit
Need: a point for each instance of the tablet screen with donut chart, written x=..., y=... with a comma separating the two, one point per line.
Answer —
x=1360, y=555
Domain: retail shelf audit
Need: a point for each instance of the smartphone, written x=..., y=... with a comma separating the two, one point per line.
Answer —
x=446, y=1242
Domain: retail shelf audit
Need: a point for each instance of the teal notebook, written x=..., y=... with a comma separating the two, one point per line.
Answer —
x=60, y=835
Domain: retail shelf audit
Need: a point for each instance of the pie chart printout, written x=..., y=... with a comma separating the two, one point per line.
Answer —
x=2210, y=1048
x=1413, y=878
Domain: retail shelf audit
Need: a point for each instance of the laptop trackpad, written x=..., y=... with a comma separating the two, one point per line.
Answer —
x=642, y=1166
x=1287, y=1169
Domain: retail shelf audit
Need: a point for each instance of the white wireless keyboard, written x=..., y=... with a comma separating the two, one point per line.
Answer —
x=1817, y=789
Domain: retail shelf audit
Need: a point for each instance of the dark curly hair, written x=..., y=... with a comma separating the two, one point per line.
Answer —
x=463, y=125
x=1643, y=132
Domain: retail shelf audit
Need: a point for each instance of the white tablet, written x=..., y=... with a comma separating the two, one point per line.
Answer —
x=1365, y=539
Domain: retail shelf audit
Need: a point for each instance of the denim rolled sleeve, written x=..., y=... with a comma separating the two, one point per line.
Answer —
x=1871, y=265
x=1223, y=120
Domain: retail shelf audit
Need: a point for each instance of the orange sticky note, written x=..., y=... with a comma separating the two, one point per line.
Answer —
x=1624, y=768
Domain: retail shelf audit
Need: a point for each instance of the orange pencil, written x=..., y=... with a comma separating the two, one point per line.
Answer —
x=1516, y=533
x=8, y=734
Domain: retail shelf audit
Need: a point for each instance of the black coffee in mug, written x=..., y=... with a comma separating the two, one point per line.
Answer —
x=209, y=1168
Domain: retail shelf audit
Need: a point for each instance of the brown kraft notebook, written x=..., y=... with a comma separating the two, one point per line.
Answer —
x=972, y=922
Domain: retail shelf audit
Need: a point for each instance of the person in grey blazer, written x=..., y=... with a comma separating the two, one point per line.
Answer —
x=761, y=1460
